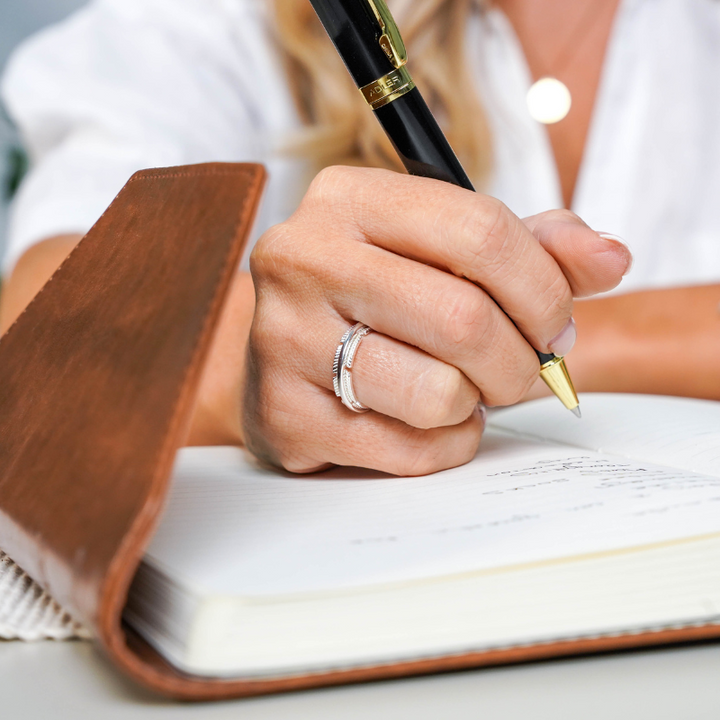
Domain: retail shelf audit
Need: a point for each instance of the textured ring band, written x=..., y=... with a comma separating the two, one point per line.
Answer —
x=342, y=367
x=338, y=358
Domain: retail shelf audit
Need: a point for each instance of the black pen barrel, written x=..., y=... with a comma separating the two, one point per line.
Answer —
x=544, y=357
x=353, y=30
x=418, y=140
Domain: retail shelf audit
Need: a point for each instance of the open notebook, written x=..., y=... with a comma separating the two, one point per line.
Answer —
x=258, y=582
x=558, y=530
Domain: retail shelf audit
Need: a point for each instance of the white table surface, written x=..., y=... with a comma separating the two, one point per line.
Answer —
x=59, y=681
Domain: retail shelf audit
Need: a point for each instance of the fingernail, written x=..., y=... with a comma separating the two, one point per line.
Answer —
x=563, y=342
x=626, y=249
x=483, y=413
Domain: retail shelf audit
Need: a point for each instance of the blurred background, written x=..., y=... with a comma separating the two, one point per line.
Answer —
x=18, y=19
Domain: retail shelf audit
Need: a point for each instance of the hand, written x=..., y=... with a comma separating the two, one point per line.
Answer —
x=428, y=266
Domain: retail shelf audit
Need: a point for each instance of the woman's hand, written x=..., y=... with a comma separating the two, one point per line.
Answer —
x=427, y=266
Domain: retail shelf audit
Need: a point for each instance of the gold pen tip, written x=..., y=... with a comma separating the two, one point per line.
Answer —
x=576, y=411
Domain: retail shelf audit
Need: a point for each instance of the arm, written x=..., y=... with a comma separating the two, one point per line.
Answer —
x=31, y=272
x=655, y=341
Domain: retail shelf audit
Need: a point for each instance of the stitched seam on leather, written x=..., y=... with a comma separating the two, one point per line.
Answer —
x=217, y=298
x=134, y=178
x=202, y=173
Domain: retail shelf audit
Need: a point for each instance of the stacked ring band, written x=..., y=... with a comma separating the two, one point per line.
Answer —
x=342, y=367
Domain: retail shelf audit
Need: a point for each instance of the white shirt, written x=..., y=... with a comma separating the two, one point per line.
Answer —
x=128, y=84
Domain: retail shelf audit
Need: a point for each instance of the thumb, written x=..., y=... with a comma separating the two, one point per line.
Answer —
x=591, y=262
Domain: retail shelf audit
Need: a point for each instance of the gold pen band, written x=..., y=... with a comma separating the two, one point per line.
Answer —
x=388, y=88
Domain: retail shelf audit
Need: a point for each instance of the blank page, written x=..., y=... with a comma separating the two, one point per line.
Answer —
x=678, y=432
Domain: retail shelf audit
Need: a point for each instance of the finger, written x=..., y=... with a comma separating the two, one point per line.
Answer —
x=389, y=376
x=331, y=433
x=591, y=263
x=447, y=317
x=400, y=381
x=467, y=234
x=304, y=426
x=406, y=383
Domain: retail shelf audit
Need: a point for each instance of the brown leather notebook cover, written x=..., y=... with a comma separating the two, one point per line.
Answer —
x=98, y=380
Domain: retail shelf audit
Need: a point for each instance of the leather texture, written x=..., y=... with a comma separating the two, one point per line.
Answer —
x=99, y=376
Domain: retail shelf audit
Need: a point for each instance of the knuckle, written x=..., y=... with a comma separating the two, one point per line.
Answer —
x=281, y=452
x=562, y=215
x=436, y=457
x=518, y=376
x=267, y=325
x=524, y=380
x=329, y=184
x=270, y=425
x=301, y=464
x=275, y=327
x=428, y=451
x=494, y=218
x=487, y=235
x=421, y=465
x=464, y=319
x=420, y=457
x=270, y=251
x=557, y=302
x=293, y=256
x=442, y=397
x=472, y=432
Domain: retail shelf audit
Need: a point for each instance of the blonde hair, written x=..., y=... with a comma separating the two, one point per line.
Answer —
x=340, y=128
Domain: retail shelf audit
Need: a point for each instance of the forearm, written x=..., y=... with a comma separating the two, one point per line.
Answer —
x=658, y=341
x=216, y=418
x=31, y=272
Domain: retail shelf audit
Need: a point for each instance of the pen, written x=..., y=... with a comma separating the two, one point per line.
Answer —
x=369, y=42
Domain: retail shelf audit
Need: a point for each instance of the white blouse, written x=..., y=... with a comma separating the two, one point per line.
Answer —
x=128, y=84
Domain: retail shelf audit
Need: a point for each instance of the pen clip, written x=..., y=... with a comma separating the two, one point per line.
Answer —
x=390, y=41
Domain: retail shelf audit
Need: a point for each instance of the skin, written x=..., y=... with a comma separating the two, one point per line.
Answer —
x=567, y=39
x=427, y=278
x=423, y=277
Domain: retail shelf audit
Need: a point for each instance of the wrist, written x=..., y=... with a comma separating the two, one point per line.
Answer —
x=217, y=415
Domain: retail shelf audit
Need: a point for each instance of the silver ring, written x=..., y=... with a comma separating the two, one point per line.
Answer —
x=342, y=367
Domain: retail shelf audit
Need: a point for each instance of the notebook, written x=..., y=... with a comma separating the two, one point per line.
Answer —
x=559, y=530
x=550, y=543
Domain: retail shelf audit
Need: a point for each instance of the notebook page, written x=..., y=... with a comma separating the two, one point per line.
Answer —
x=677, y=432
x=232, y=528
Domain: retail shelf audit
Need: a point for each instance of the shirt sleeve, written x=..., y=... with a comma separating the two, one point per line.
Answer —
x=129, y=84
